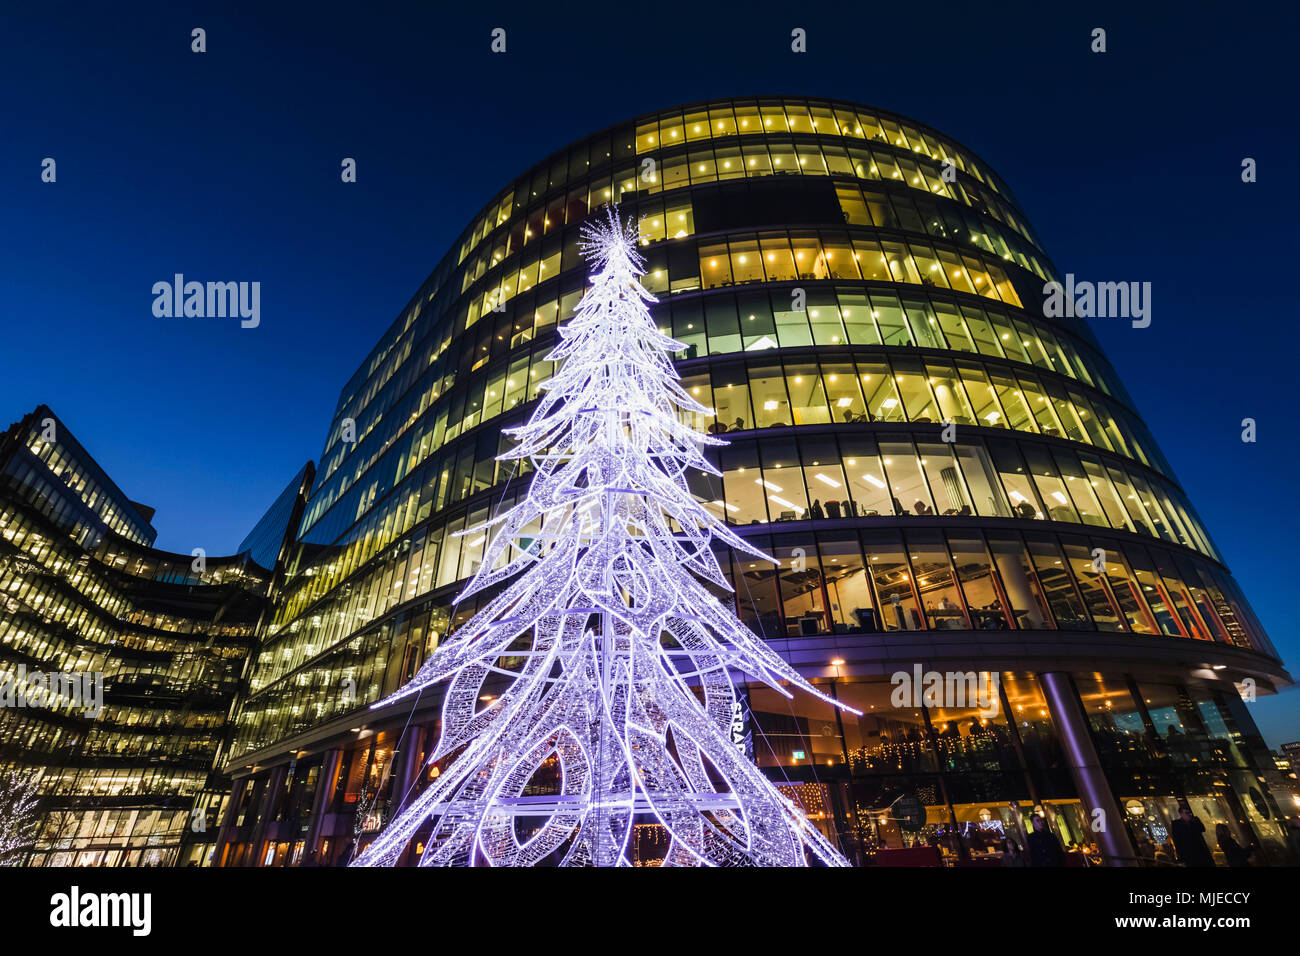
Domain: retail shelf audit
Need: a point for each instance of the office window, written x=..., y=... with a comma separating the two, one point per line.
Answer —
x=745, y=501
x=746, y=264
x=771, y=404
x=715, y=265
x=699, y=388
x=940, y=467
x=823, y=477
x=915, y=392
x=866, y=481
x=871, y=260
x=1126, y=590
x=1093, y=586
x=1012, y=400
x=722, y=324
x=778, y=260
x=1015, y=479
x=755, y=583
x=1077, y=486
x=800, y=579
x=906, y=483
x=880, y=390
x=824, y=317
x=953, y=404
x=953, y=326
x=888, y=313
x=1051, y=489
x=792, y=327
x=807, y=395
x=844, y=392
x=782, y=480
x=892, y=577
x=855, y=312
x=731, y=398
x=944, y=608
x=974, y=569
x=1058, y=587
x=924, y=323
x=845, y=578
x=982, y=481
x=757, y=159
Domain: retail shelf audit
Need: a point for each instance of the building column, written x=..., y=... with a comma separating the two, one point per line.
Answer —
x=1085, y=767
x=329, y=769
x=1018, y=588
x=270, y=798
x=226, y=830
x=408, y=765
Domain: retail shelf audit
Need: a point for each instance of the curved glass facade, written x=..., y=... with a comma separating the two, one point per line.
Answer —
x=922, y=449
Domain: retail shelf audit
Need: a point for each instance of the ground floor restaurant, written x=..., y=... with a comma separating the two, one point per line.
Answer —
x=1107, y=760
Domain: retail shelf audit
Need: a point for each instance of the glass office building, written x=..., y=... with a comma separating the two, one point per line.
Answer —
x=948, y=478
x=141, y=652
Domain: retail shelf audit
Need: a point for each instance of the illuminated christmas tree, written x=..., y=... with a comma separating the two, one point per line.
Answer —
x=595, y=688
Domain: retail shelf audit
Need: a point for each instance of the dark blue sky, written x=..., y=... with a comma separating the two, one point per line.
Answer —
x=225, y=166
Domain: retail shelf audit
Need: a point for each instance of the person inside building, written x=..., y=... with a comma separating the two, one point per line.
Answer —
x=1044, y=849
x=1189, y=844
x=1011, y=853
x=1234, y=854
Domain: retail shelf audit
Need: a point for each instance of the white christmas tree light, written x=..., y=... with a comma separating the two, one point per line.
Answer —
x=596, y=687
x=19, y=813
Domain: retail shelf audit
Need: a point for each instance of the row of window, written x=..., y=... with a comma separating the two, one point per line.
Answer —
x=771, y=393
x=804, y=254
x=810, y=117
x=39, y=618
x=754, y=321
x=39, y=563
x=839, y=581
x=770, y=480
x=779, y=256
x=747, y=321
x=151, y=783
x=825, y=476
x=756, y=160
x=673, y=220
x=957, y=579
x=729, y=118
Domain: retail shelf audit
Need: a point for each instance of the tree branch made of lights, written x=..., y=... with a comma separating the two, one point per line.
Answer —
x=603, y=667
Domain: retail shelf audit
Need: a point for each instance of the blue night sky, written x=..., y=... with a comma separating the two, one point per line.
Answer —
x=225, y=166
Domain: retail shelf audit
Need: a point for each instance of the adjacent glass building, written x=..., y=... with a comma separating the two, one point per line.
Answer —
x=145, y=648
x=948, y=478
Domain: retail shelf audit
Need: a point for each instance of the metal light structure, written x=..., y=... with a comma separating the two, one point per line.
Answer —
x=610, y=659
